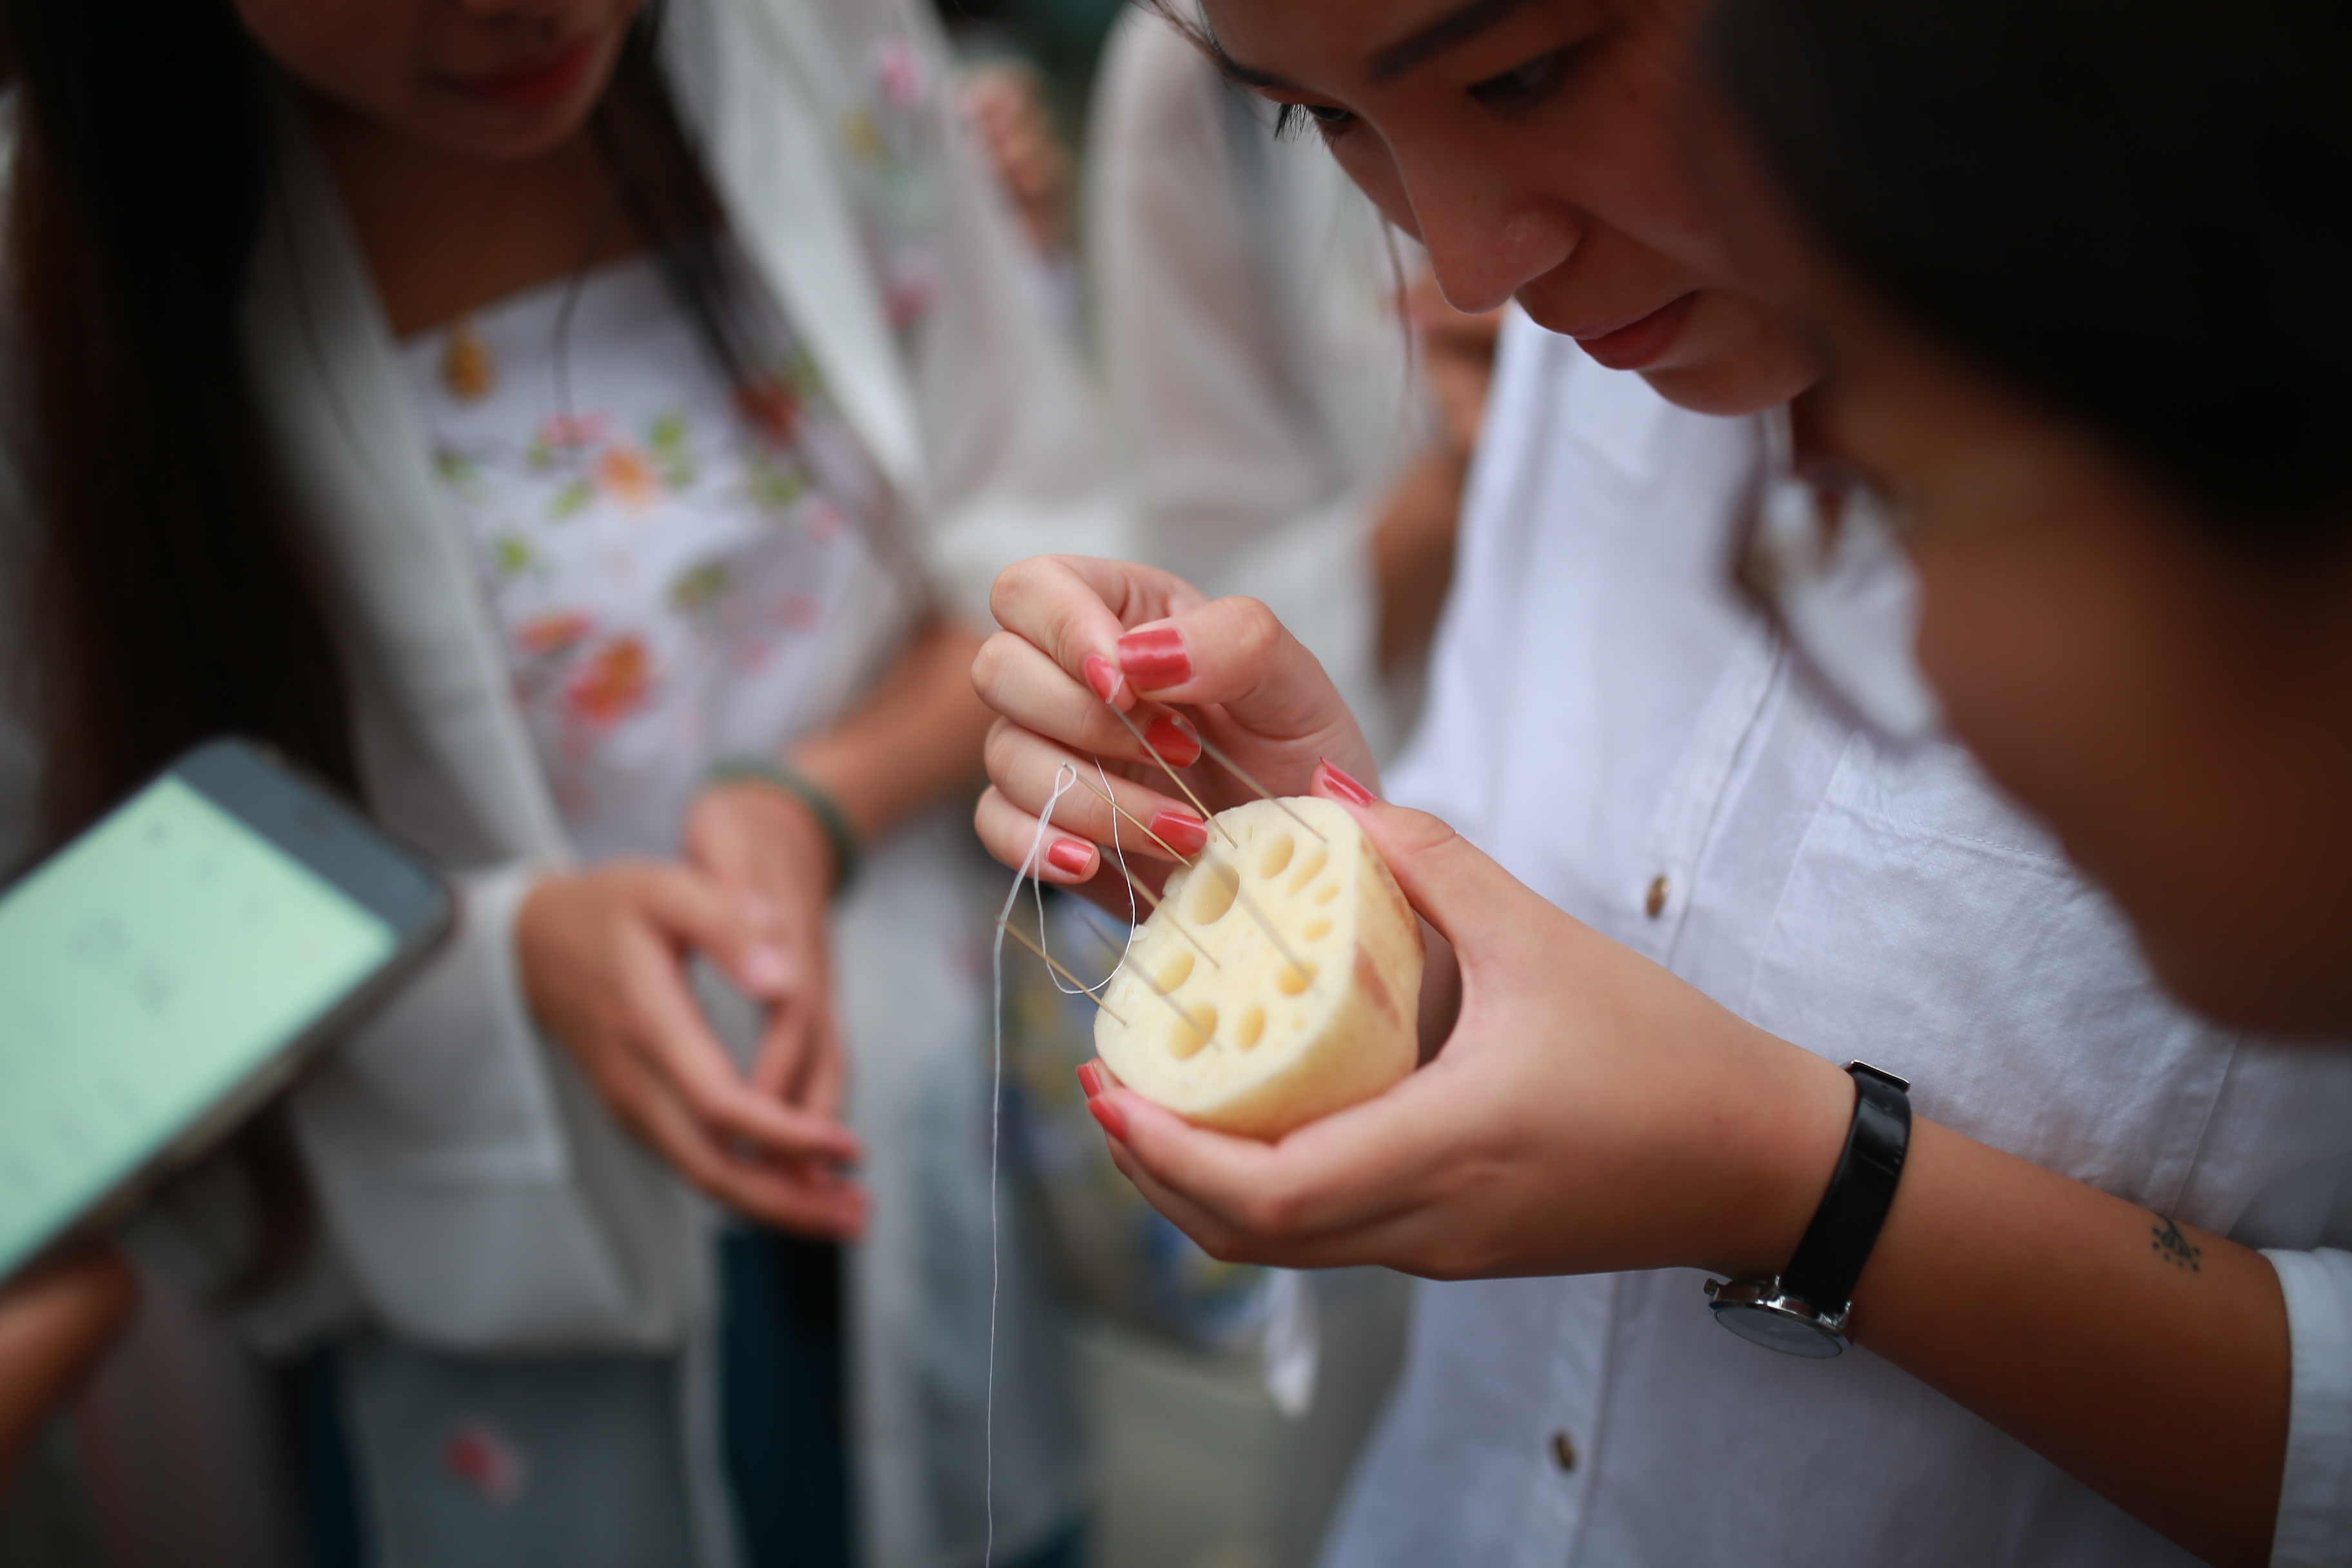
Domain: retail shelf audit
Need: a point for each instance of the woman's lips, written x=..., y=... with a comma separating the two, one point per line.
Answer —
x=1637, y=344
x=536, y=84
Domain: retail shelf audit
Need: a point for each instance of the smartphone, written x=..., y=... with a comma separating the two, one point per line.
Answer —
x=168, y=971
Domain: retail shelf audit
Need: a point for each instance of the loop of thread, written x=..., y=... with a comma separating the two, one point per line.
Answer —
x=1066, y=779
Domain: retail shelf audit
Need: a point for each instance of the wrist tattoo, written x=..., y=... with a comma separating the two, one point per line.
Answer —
x=2166, y=1242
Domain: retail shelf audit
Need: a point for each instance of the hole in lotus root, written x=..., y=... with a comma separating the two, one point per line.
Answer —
x=1188, y=1033
x=1276, y=856
x=1211, y=892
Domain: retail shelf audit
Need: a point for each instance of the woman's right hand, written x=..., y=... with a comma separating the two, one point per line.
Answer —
x=602, y=955
x=1083, y=635
x=1589, y=1112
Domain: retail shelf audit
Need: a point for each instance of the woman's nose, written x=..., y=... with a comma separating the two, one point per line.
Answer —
x=1485, y=241
x=518, y=10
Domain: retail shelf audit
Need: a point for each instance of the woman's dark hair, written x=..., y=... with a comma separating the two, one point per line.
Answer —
x=171, y=595
x=170, y=600
x=2133, y=212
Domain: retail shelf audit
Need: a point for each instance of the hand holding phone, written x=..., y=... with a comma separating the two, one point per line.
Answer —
x=169, y=970
x=56, y=1323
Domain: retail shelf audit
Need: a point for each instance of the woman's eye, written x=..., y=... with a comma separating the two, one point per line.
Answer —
x=1523, y=88
x=1328, y=119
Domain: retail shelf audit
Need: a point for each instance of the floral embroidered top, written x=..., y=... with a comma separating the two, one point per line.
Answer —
x=669, y=574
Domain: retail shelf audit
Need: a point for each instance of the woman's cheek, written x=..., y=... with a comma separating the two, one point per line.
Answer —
x=1995, y=671
x=354, y=52
x=2062, y=672
x=2036, y=665
x=1364, y=158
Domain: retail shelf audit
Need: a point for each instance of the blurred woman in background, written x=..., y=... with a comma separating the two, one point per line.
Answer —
x=587, y=442
x=1297, y=399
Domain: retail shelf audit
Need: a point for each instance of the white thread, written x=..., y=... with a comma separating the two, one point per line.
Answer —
x=1066, y=779
x=1037, y=888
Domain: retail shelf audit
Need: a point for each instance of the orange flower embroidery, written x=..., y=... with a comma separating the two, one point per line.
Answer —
x=613, y=683
x=624, y=474
x=543, y=634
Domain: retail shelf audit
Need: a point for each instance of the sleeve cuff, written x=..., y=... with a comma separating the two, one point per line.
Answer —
x=2314, y=1516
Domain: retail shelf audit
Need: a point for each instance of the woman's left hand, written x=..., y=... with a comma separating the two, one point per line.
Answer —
x=767, y=847
x=56, y=1323
x=1589, y=1112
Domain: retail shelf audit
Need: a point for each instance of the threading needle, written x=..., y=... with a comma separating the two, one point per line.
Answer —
x=1249, y=905
x=1141, y=973
x=1181, y=857
x=1217, y=754
x=1017, y=934
x=1206, y=814
x=1178, y=926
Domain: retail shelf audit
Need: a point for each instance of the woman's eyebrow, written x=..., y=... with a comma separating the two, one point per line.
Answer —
x=1457, y=26
x=1240, y=75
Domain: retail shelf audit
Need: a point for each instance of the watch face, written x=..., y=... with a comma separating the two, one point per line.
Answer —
x=1779, y=1330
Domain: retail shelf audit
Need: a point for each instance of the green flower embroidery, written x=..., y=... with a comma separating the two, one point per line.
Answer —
x=699, y=588
x=774, y=485
x=511, y=554
x=571, y=500
x=459, y=470
x=799, y=372
x=863, y=136
x=669, y=441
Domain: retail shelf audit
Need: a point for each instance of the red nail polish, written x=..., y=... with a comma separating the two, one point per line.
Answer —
x=1336, y=781
x=1180, y=830
x=1156, y=659
x=1113, y=1119
x=1174, y=740
x=1103, y=676
x=1070, y=855
x=1090, y=1079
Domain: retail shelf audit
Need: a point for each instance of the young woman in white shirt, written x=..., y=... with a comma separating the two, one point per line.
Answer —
x=588, y=443
x=1286, y=442
x=1590, y=1110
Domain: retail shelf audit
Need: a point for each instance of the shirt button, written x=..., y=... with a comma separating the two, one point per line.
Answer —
x=1656, y=904
x=1563, y=1452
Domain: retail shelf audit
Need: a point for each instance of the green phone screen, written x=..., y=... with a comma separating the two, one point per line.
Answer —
x=145, y=972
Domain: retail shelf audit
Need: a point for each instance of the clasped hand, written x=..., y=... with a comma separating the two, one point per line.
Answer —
x=1581, y=1109
x=603, y=955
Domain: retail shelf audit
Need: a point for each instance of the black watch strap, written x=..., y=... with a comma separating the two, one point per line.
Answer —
x=1829, y=1257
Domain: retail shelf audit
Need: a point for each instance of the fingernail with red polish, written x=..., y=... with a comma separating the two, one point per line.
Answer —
x=1103, y=676
x=1113, y=1119
x=1155, y=658
x=1180, y=830
x=1173, y=739
x=1090, y=1079
x=1336, y=781
x=1070, y=855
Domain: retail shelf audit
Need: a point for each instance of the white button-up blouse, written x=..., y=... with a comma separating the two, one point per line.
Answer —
x=1607, y=721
